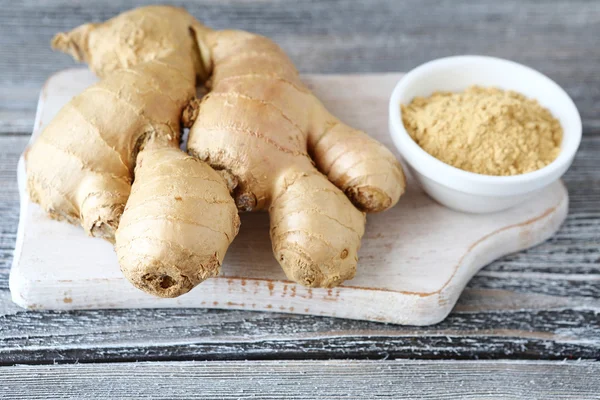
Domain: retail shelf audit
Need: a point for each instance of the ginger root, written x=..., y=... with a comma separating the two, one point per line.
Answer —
x=267, y=138
x=177, y=225
x=263, y=126
x=81, y=167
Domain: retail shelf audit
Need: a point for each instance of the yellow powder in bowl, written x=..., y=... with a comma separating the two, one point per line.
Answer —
x=484, y=130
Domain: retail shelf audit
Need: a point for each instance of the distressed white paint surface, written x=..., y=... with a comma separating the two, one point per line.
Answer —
x=414, y=262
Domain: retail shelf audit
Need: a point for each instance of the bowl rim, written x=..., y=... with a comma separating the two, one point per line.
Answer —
x=432, y=168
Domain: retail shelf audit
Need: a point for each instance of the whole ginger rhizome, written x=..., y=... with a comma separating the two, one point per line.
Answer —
x=484, y=130
x=259, y=140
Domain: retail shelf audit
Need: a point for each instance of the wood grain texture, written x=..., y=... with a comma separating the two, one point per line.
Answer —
x=542, y=303
x=306, y=380
x=558, y=38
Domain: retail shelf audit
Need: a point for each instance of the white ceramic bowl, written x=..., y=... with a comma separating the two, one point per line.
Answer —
x=467, y=191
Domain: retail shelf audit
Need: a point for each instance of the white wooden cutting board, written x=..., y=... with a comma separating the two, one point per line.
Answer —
x=414, y=262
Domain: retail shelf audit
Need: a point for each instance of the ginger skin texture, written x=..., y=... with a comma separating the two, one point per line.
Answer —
x=81, y=167
x=260, y=140
x=291, y=157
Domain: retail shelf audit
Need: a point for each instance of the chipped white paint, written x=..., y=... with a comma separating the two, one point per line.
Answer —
x=414, y=262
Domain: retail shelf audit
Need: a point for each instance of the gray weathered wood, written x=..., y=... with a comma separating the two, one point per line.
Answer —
x=560, y=38
x=542, y=303
x=306, y=380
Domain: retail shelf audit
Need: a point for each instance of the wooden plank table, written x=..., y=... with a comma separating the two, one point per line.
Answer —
x=525, y=313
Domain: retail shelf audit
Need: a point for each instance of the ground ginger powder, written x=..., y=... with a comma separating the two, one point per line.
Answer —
x=484, y=130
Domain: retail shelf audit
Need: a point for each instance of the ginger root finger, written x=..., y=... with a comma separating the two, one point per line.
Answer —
x=177, y=225
x=88, y=191
x=363, y=168
x=315, y=231
x=137, y=36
